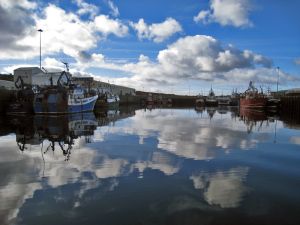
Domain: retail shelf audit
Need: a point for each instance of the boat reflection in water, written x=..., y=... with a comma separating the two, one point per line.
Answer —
x=252, y=118
x=59, y=131
x=160, y=166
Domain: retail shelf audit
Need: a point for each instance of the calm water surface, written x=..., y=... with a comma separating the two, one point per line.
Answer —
x=160, y=166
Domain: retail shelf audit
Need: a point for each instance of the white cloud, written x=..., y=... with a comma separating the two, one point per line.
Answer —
x=158, y=32
x=206, y=54
x=114, y=9
x=86, y=8
x=15, y=23
x=108, y=26
x=8, y=4
x=63, y=32
x=199, y=58
x=227, y=12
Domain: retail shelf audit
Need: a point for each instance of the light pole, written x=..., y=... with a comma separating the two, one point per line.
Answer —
x=277, y=77
x=40, y=30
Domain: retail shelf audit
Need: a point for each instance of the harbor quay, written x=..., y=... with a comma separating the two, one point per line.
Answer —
x=13, y=86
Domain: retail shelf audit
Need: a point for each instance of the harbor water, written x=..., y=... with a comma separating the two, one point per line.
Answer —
x=151, y=166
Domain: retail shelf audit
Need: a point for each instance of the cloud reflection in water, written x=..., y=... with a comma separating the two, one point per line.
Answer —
x=178, y=136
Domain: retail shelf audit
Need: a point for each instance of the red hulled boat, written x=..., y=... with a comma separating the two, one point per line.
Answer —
x=252, y=98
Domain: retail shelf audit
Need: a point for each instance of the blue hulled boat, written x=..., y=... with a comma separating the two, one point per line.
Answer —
x=64, y=97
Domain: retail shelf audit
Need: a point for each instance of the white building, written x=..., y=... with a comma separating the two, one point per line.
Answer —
x=89, y=82
x=36, y=76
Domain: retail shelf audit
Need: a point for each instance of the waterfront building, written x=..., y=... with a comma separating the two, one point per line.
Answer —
x=35, y=76
x=89, y=82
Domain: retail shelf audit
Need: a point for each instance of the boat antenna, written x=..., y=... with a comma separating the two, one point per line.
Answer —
x=67, y=65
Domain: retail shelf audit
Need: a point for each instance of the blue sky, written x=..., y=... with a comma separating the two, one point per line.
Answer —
x=171, y=46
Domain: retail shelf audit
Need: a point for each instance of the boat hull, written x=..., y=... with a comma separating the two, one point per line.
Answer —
x=252, y=114
x=253, y=103
x=224, y=103
x=63, y=107
x=234, y=102
x=273, y=103
x=211, y=103
x=101, y=103
x=199, y=102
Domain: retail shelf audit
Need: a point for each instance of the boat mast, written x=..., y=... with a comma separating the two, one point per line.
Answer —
x=40, y=30
x=277, y=77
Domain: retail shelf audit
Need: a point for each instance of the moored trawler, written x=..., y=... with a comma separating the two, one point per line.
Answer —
x=252, y=98
x=64, y=97
x=107, y=99
x=234, y=98
x=211, y=99
x=199, y=100
x=223, y=100
x=150, y=100
x=273, y=102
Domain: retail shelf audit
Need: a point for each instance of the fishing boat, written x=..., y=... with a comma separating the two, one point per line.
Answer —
x=252, y=98
x=150, y=100
x=211, y=99
x=21, y=103
x=107, y=99
x=272, y=101
x=199, y=100
x=223, y=100
x=234, y=98
x=64, y=97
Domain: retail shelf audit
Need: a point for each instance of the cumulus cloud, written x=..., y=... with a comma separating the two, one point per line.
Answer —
x=206, y=54
x=114, y=8
x=197, y=57
x=19, y=38
x=61, y=32
x=25, y=4
x=227, y=12
x=86, y=8
x=109, y=26
x=15, y=21
x=158, y=32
